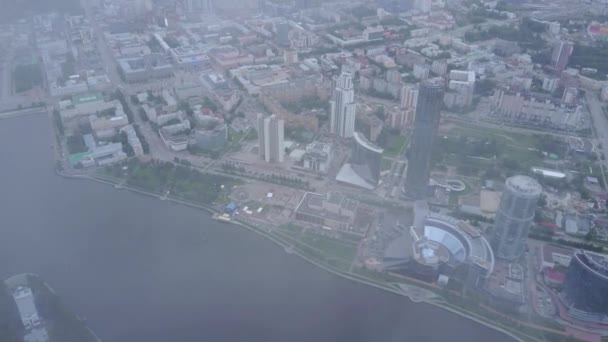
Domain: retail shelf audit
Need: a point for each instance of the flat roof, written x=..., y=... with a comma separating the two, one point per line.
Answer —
x=311, y=200
x=86, y=97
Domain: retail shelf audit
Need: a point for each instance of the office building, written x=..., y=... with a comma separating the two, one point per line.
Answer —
x=514, y=217
x=366, y=159
x=282, y=33
x=585, y=288
x=561, y=55
x=333, y=210
x=342, y=119
x=363, y=168
x=270, y=138
x=438, y=245
x=462, y=87
x=317, y=157
x=426, y=121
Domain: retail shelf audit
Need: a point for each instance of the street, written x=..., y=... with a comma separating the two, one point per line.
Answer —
x=600, y=126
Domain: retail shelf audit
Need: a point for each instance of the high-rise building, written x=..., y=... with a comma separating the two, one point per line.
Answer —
x=428, y=108
x=514, y=217
x=342, y=119
x=561, y=55
x=409, y=96
x=270, y=138
x=421, y=71
x=423, y=5
x=363, y=168
x=282, y=33
x=462, y=86
x=366, y=159
x=585, y=288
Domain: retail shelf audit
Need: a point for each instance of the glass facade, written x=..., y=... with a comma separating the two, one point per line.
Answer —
x=514, y=217
x=428, y=108
x=586, y=285
x=366, y=159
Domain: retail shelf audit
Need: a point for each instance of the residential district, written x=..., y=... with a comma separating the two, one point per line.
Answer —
x=452, y=151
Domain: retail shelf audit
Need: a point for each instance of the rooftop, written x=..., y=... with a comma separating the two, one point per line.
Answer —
x=524, y=184
x=312, y=204
x=594, y=262
x=362, y=140
x=86, y=97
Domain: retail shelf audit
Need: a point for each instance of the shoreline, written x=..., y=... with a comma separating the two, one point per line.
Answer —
x=290, y=250
x=22, y=279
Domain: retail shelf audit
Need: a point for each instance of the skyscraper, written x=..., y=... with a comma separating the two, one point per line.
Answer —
x=561, y=55
x=514, y=217
x=342, y=119
x=430, y=96
x=270, y=138
x=282, y=33
x=366, y=159
x=363, y=168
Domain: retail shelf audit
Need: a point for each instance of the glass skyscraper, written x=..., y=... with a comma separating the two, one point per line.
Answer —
x=366, y=159
x=514, y=217
x=428, y=106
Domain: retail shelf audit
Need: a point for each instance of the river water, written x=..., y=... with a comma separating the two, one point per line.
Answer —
x=141, y=269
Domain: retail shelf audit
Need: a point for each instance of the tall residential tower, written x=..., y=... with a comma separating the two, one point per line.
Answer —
x=342, y=119
x=270, y=138
x=428, y=106
x=514, y=217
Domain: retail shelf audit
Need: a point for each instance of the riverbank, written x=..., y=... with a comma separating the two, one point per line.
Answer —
x=415, y=293
x=62, y=325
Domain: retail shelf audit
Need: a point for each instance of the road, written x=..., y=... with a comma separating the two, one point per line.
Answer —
x=600, y=126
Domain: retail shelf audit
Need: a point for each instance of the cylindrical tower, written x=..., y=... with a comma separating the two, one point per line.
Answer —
x=514, y=217
x=585, y=289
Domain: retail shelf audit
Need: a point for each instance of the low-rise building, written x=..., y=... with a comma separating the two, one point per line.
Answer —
x=83, y=104
x=133, y=140
x=317, y=157
x=333, y=210
x=145, y=68
x=101, y=154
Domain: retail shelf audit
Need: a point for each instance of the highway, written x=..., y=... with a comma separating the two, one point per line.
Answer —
x=600, y=126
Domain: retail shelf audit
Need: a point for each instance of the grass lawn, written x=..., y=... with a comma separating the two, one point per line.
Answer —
x=395, y=146
x=291, y=227
x=386, y=165
x=502, y=136
x=331, y=247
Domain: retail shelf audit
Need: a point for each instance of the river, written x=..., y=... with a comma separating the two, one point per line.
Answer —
x=142, y=269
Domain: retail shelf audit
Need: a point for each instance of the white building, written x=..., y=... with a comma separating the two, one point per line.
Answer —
x=550, y=84
x=421, y=71
x=343, y=106
x=463, y=84
x=34, y=328
x=317, y=157
x=409, y=96
x=270, y=138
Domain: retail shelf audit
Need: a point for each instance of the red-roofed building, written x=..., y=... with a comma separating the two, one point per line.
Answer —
x=549, y=224
x=553, y=278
